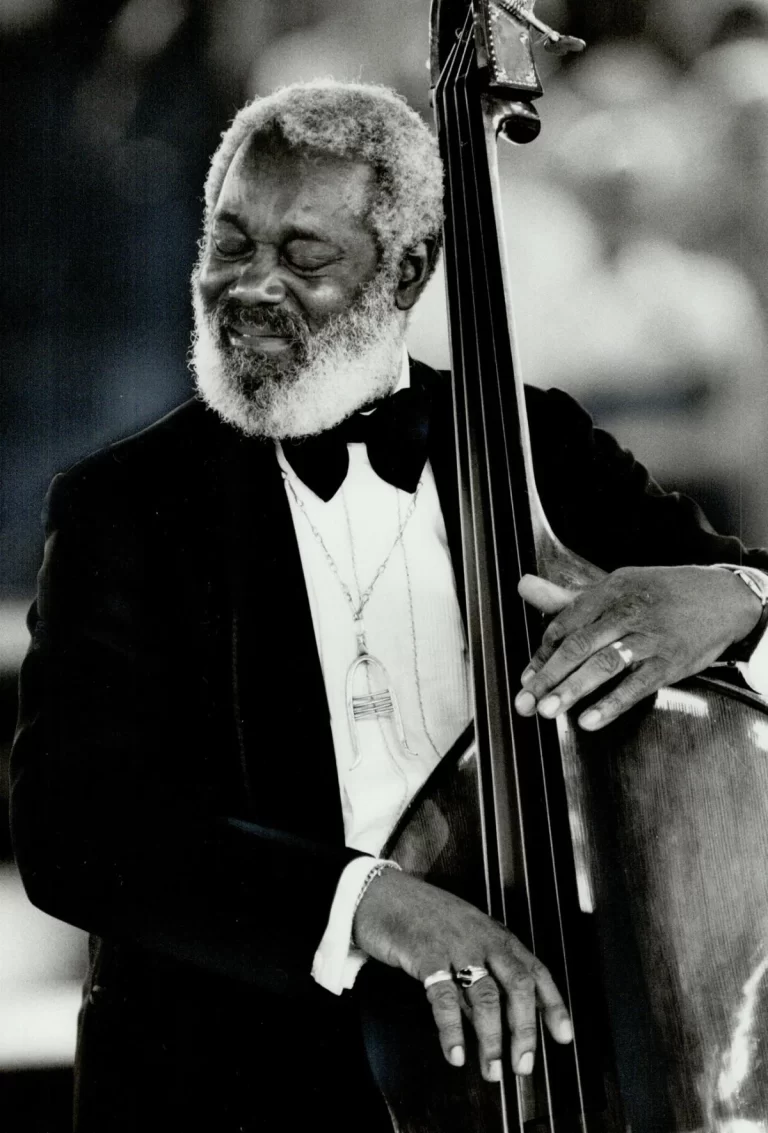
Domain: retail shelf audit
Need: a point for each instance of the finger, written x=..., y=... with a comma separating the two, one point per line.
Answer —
x=639, y=683
x=485, y=1005
x=569, y=656
x=581, y=614
x=514, y=972
x=553, y=1008
x=545, y=596
x=445, y=1001
x=521, y=1017
x=602, y=666
x=527, y=982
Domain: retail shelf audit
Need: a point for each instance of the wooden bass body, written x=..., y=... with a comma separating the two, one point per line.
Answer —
x=668, y=812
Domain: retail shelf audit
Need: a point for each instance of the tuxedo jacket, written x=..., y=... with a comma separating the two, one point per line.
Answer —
x=174, y=786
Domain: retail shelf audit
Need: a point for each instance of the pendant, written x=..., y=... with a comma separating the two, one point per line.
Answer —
x=379, y=705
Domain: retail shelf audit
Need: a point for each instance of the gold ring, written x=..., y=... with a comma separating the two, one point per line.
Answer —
x=624, y=652
x=465, y=977
x=438, y=977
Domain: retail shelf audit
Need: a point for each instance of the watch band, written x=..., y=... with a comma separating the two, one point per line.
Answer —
x=757, y=581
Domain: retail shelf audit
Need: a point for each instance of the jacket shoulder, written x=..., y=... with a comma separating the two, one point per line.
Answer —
x=547, y=409
x=182, y=430
x=161, y=459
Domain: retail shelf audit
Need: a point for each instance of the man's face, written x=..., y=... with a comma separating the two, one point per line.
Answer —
x=289, y=245
x=295, y=327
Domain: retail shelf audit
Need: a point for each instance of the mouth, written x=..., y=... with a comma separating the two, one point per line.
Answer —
x=261, y=339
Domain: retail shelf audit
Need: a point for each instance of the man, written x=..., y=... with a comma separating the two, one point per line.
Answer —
x=248, y=652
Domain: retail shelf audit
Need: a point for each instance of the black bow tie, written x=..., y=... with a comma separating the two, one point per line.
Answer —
x=395, y=433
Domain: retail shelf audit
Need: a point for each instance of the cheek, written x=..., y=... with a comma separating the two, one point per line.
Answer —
x=212, y=281
x=325, y=299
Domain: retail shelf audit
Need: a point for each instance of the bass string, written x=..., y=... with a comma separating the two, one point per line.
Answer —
x=480, y=564
x=462, y=337
x=465, y=333
x=490, y=440
x=496, y=372
x=485, y=160
x=483, y=301
x=488, y=162
x=479, y=417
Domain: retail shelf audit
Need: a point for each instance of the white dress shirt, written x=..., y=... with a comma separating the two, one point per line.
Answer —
x=413, y=626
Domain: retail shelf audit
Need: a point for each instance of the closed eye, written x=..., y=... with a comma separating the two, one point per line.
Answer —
x=229, y=240
x=309, y=256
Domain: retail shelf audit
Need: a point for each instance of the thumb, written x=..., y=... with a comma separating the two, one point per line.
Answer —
x=545, y=596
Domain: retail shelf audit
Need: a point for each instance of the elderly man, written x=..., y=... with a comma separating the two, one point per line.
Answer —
x=187, y=785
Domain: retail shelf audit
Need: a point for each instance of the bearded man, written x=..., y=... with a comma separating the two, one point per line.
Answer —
x=187, y=784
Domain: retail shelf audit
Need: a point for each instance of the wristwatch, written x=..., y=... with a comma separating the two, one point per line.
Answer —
x=757, y=581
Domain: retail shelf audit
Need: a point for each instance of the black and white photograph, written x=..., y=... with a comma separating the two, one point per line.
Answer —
x=384, y=566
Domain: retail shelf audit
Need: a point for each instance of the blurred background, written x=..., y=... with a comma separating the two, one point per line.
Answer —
x=637, y=236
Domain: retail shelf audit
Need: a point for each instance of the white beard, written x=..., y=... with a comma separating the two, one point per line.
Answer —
x=352, y=360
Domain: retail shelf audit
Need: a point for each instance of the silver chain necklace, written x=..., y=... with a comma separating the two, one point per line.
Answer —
x=415, y=651
x=382, y=704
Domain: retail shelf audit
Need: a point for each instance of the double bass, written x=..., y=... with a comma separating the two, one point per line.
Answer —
x=632, y=861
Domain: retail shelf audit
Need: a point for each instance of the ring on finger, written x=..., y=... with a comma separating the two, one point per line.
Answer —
x=465, y=977
x=438, y=977
x=624, y=652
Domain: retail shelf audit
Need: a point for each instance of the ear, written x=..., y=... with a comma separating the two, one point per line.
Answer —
x=413, y=273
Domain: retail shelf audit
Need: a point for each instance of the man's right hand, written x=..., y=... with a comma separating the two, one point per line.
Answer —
x=409, y=924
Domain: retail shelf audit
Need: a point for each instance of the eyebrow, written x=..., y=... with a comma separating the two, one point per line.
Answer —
x=295, y=232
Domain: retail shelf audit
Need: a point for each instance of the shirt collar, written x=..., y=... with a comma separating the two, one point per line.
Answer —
x=404, y=381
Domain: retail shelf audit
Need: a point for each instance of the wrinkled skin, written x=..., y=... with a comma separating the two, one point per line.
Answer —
x=675, y=621
x=409, y=924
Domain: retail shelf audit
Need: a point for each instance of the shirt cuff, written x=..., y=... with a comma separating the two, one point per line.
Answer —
x=337, y=961
x=755, y=670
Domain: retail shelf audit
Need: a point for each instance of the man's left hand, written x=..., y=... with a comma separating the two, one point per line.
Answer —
x=649, y=626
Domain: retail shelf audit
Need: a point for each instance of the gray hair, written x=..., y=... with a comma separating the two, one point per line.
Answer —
x=363, y=122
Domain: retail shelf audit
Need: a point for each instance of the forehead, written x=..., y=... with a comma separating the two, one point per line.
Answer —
x=294, y=188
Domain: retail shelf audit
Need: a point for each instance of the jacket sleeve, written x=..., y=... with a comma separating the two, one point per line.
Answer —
x=113, y=830
x=605, y=505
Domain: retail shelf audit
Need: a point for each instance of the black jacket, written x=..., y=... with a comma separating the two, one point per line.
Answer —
x=174, y=786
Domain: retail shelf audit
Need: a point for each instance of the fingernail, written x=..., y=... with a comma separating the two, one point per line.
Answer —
x=525, y=1065
x=494, y=1070
x=549, y=705
x=456, y=1055
x=525, y=703
x=528, y=675
x=565, y=1031
x=590, y=719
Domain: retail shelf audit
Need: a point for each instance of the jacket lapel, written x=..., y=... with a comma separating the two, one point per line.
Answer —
x=281, y=711
x=442, y=457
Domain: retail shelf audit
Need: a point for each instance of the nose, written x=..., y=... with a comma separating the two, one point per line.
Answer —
x=259, y=283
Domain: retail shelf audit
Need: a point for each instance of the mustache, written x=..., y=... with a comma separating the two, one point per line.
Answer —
x=283, y=324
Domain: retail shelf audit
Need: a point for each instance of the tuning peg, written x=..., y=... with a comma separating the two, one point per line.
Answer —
x=551, y=40
x=557, y=44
